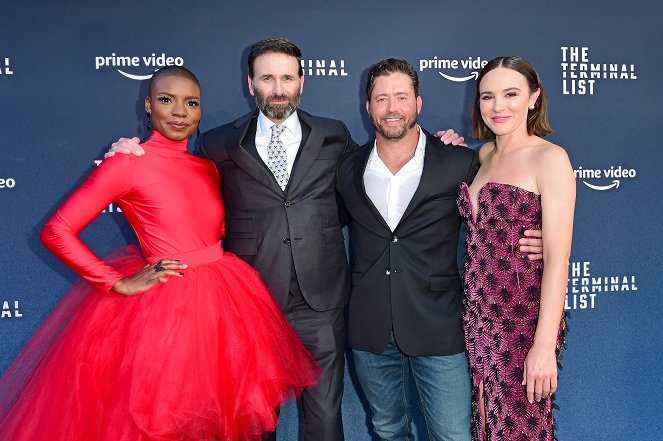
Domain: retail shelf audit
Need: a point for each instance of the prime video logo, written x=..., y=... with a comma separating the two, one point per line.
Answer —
x=613, y=173
x=443, y=64
x=153, y=61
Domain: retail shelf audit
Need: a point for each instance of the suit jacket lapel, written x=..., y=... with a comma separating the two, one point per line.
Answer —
x=312, y=140
x=240, y=153
x=428, y=177
x=360, y=188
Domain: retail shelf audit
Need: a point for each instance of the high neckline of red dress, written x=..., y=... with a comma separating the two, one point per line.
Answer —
x=160, y=142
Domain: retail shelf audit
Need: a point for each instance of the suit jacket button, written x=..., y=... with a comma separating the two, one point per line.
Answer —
x=286, y=240
x=288, y=203
x=387, y=272
x=394, y=239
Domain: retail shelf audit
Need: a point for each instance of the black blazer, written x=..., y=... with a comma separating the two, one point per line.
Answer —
x=407, y=280
x=279, y=232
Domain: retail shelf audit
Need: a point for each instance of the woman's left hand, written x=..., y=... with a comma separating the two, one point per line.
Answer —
x=540, y=373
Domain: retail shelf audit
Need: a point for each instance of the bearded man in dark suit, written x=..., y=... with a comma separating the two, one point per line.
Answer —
x=285, y=221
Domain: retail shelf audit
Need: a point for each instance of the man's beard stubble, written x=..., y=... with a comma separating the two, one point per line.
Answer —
x=279, y=111
x=395, y=133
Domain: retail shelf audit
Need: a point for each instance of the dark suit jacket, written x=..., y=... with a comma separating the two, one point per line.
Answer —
x=407, y=280
x=279, y=232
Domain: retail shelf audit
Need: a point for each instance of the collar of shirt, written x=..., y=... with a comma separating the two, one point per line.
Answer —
x=392, y=193
x=293, y=128
x=417, y=161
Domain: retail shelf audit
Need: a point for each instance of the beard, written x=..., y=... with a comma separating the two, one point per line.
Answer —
x=277, y=111
x=394, y=133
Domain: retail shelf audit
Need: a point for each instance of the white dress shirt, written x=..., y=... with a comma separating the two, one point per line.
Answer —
x=291, y=138
x=391, y=193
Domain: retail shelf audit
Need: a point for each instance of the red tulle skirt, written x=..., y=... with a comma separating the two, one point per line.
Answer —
x=205, y=357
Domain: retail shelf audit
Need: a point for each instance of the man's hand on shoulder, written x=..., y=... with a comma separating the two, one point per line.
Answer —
x=450, y=137
x=532, y=244
x=126, y=146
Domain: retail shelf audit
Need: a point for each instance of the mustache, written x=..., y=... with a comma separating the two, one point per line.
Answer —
x=276, y=97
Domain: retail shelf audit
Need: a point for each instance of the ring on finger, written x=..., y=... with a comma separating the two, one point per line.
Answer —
x=159, y=267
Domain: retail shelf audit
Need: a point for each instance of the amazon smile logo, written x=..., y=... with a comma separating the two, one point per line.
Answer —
x=606, y=178
x=448, y=68
x=127, y=66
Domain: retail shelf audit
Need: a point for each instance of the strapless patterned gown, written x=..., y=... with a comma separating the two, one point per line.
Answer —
x=502, y=296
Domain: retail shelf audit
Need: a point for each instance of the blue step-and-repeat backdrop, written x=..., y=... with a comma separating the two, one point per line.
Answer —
x=71, y=82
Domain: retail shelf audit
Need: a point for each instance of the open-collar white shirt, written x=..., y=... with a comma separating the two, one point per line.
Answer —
x=392, y=193
x=291, y=137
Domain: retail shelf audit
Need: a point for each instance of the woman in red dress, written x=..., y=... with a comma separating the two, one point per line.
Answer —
x=177, y=341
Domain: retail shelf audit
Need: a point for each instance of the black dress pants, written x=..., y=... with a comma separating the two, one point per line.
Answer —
x=323, y=335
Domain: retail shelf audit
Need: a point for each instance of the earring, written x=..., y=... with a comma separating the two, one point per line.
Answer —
x=149, y=121
x=531, y=107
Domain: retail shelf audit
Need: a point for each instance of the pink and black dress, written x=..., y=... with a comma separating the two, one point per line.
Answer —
x=502, y=297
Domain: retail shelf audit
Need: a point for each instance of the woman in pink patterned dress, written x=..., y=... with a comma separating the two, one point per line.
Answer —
x=514, y=307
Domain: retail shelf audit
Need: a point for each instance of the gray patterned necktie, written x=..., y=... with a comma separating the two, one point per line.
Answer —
x=276, y=157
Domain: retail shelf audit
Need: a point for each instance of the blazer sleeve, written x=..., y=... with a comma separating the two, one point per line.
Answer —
x=350, y=144
x=474, y=167
x=343, y=215
x=199, y=148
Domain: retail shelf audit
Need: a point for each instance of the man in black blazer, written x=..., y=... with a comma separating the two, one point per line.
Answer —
x=406, y=301
x=291, y=233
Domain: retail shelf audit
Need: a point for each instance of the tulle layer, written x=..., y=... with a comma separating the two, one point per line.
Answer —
x=204, y=357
